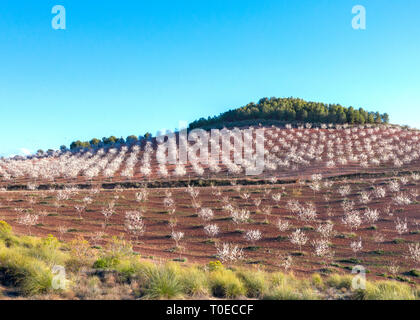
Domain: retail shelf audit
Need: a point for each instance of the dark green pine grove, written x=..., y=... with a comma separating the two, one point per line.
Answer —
x=293, y=110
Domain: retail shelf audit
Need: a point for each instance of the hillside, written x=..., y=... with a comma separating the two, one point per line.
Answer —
x=273, y=111
x=288, y=153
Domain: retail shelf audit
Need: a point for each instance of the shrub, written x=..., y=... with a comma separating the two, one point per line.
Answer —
x=287, y=287
x=161, y=282
x=118, y=248
x=284, y=292
x=132, y=269
x=317, y=281
x=215, y=265
x=386, y=290
x=255, y=282
x=119, y=256
x=7, y=235
x=414, y=273
x=195, y=281
x=106, y=263
x=29, y=275
x=5, y=230
x=338, y=281
x=225, y=284
x=80, y=253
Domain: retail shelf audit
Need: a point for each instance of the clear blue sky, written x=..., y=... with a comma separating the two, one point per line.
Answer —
x=127, y=67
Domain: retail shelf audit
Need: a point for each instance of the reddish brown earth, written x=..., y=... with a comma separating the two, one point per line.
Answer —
x=197, y=247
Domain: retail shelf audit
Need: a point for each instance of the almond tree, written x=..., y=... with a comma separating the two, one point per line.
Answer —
x=364, y=197
x=108, y=212
x=352, y=220
x=371, y=215
x=298, y=238
x=257, y=203
x=80, y=210
x=228, y=252
x=142, y=195
x=266, y=210
x=253, y=236
x=282, y=225
x=322, y=248
x=401, y=226
x=344, y=191
x=28, y=220
x=414, y=252
x=212, y=230
x=285, y=262
x=97, y=236
x=177, y=236
x=356, y=246
x=240, y=215
x=326, y=230
x=276, y=197
x=134, y=223
x=62, y=230
x=206, y=214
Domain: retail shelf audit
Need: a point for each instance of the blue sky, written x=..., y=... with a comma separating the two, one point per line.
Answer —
x=127, y=67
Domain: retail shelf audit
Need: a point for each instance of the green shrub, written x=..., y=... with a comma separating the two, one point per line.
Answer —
x=287, y=287
x=225, y=284
x=47, y=249
x=317, y=281
x=255, y=282
x=195, y=281
x=5, y=230
x=132, y=269
x=284, y=292
x=81, y=254
x=118, y=248
x=161, y=282
x=106, y=263
x=386, y=290
x=414, y=273
x=29, y=275
x=215, y=265
x=338, y=281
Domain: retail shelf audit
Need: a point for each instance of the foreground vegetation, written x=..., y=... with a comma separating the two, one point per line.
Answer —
x=116, y=272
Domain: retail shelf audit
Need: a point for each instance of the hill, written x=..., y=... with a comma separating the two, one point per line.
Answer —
x=273, y=111
x=292, y=110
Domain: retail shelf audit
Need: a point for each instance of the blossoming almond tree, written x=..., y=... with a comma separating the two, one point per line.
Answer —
x=356, y=246
x=228, y=252
x=206, y=214
x=299, y=238
x=414, y=253
x=253, y=236
x=134, y=223
x=212, y=230
x=28, y=220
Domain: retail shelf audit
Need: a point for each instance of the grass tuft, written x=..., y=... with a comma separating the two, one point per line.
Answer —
x=225, y=284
